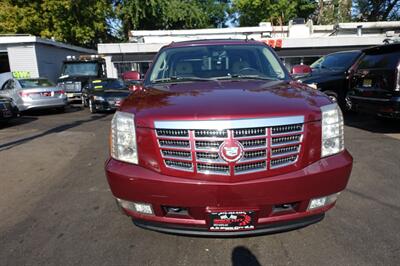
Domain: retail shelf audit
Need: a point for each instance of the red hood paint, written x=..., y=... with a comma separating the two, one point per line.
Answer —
x=227, y=99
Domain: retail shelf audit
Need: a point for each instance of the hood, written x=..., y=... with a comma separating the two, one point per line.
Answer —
x=228, y=99
x=318, y=75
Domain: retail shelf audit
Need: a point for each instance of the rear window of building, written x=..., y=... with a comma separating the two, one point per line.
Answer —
x=386, y=60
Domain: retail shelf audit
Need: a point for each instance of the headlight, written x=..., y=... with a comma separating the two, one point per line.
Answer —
x=98, y=98
x=123, y=138
x=314, y=86
x=332, y=130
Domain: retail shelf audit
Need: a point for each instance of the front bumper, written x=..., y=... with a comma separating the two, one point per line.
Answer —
x=43, y=104
x=377, y=106
x=201, y=197
x=261, y=230
x=74, y=96
x=105, y=106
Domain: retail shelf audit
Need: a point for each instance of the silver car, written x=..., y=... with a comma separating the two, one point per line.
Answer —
x=33, y=93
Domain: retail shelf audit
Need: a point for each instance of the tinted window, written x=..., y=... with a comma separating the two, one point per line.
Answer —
x=108, y=84
x=80, y=69
x=216, y=61
x=35, y=83
x=387, y=60
x=336, y=61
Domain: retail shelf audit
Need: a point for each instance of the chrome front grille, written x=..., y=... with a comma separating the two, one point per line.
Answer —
x=172, y=133
x=195, y=146
x=213, y=169
x=208, y=145
x=250, y=168
x=174, y=143
x=71, y=86
x=210, y=133
x=249, y=132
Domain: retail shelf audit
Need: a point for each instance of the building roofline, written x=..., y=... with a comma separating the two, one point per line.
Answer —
x=287, y=43
x=22, y=38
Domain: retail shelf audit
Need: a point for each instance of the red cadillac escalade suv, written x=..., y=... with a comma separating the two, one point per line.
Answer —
x=220, y=141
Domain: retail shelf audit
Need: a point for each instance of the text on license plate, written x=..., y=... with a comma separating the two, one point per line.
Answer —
x=232, y=221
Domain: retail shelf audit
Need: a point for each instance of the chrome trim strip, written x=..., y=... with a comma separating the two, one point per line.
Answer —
x=251, y=171
x=229, y=124
x=186, y=159
x=209, y=172
x=369, y=98
x=290, y=143
x=285, y=134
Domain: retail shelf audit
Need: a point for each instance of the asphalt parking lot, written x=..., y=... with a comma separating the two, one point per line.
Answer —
x=56, y=207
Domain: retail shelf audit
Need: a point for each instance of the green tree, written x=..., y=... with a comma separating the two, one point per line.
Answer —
x=334, y=11
x=252, y=12
x=376, y=10
x=172, y=14
x=79, y=22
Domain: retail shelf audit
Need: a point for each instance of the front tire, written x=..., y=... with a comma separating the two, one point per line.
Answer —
x=92, y=107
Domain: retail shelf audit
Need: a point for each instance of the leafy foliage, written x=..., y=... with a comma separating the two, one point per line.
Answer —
x=80, y=22
x=252, y=12
x=377, y=10
x=172, y=14
x=335, y=11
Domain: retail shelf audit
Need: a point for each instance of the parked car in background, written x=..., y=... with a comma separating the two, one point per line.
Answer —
x=331, y=74
x=8, y=110
x=104, y=94
x=77, y=71
x=376, y=80
x=132, y=79
x=32, y=93
x=221, y=141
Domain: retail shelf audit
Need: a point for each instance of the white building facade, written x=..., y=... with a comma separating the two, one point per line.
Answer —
x=41, y=57
x=296, y=43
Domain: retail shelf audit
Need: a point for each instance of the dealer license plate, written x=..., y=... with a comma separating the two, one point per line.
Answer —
x=232, y=221
x=70, y=95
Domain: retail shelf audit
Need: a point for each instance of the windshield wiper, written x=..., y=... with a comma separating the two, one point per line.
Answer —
x=174, y=78
x=236, y=76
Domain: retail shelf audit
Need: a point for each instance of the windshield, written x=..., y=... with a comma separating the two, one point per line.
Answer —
x=340, y=61
x=35, y=83
x=108, y=84
x=80, y=69
x=216, y=62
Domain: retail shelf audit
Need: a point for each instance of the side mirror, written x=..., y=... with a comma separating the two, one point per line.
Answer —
x=301, y=70
x=131, y=75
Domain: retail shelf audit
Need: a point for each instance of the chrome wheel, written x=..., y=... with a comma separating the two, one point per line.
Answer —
x=92, y=107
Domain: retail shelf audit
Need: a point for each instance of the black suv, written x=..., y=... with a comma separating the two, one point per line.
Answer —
x=331, y=73
x=376, y=81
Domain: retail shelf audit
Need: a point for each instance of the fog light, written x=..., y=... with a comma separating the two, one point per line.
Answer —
x=322, y=202
x=143, y=208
